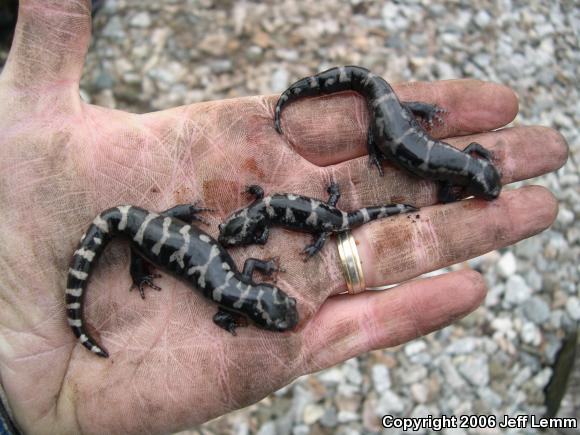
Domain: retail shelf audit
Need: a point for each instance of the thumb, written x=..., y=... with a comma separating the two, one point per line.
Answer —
x=49, y=46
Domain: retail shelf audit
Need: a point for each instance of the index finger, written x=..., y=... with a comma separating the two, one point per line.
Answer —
x=331, y=129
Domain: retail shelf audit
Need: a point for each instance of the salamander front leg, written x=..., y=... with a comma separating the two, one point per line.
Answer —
x=425, y=111
x=312, y=249
x=263, y=237
x=266, y=267
x=334, y=194
x=229, y=320
x=478, y=150
x=449, y=193
x=186, y=212
x=141, y=275
x=375, y=155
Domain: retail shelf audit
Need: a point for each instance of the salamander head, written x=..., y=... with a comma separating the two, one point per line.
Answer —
x=486, y=182
x=241, y=228
x=274, y=310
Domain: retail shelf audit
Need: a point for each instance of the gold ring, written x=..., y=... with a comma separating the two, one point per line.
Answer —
x=350, y=261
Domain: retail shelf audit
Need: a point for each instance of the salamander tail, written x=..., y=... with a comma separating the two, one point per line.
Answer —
x=364, y=215
x=89, y=249
x=337, y=79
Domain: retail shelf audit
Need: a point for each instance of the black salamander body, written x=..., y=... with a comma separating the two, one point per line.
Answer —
x=251, y=224
x=185, y=251
x=396, y=135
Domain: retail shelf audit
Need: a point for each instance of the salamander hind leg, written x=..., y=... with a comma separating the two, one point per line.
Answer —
x=229, y=320
x=426, y=111
x=314, y=248
x=375, y=155
x=141, y=275
x=267, y=267
x=478, y=150
x=334, y=194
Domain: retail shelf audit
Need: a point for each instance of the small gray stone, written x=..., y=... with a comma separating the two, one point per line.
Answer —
x=330, y=418
x=242, y=428
x=268, y=428
x=530, y=334
x=490, y=397
x=221, y=65
x=413, y=373
x=142, y=19
x=381, y=377
x=393, y=18
x=302, y=398
x=279, y=81
x=475, y=370
x=517, y=291
x=462, y=345
x=312, y=413
x=565, y=217
x=352, y=372
x=390, y=403
x=573, y=235
x=534, y=280
x=348, y=416
x=415, y=347
x=254, y=52
x=552, y=347
x=529, y=248
x=114, y=28
x=332, y=376
x=507, y=265
x=536, y=310
x=85, y=96
x=573, y=307
x=482, y=19
x=494, y=295
x=287, y=54
x=300, y=429
x=569, y=180
x=450, y=374
x=542, y=378
x=422, y=358
x=557, y=245
x=103, y=80
x=504, y=326
x=420, y=411
x=522, y=376
x=419, y=392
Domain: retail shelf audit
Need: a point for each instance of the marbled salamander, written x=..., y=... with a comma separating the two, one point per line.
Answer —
x=186, y=252
x=251, y=224
x=396, y=135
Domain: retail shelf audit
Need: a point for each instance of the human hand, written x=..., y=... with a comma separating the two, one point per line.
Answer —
x=170, y=366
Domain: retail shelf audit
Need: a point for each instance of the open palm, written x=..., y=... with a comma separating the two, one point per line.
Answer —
x=63, y=161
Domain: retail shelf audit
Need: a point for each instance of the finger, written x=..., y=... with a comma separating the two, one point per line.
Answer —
x=519, y=153
x=50, y=43
x=330, y=129
x=350, y=325
x=397, y=249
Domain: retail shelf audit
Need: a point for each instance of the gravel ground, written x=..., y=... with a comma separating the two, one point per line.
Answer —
x=153, y=55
